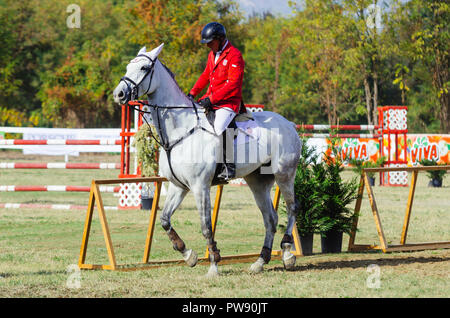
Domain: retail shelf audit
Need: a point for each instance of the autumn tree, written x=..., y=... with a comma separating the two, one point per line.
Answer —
x=321, y=42
x=178, y=25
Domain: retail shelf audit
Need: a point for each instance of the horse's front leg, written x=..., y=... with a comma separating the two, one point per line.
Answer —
x=174, y=197
x=202, y=197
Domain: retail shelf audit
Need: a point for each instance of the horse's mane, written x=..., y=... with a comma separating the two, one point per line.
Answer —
x=172, y=74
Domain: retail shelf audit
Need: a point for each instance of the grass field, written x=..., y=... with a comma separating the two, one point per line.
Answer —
x=37, y=247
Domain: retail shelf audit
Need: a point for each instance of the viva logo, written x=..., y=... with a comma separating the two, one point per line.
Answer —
x=424, y=149
x=352, y=149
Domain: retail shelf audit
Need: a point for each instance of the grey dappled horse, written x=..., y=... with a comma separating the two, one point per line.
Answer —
x=191, y=148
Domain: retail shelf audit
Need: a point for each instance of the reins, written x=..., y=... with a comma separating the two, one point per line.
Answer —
x=166, y=144
x=133, y=92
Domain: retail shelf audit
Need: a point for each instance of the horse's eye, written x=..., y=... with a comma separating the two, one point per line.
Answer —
x=145, y=68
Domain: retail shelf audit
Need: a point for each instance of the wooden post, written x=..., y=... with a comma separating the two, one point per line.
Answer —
x=87, y=226
x=105, y=228
x=215, y=215
x=351, y=241
x=151, y=224
x=276, y=198
x=409, y=204
x=376, y=215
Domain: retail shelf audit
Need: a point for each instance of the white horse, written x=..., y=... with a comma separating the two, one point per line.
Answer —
x=188, y=158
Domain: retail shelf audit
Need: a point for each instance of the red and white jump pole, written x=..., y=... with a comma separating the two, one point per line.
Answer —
x=342, y=135
x=55, y=188
x=49, y=206
x=58, y=165
x=78, y=142
x=337, y=127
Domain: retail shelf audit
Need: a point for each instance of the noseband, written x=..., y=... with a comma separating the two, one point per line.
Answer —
x=133, y=88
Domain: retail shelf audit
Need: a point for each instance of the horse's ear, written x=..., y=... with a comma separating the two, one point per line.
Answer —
x=143, y=50
x=155, y=52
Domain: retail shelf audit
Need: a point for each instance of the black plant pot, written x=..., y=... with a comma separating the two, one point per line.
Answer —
x=435, y=183
x=146, y=203
x=331, y=241
x=306, y=242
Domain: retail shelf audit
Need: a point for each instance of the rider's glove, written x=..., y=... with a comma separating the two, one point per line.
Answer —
x=190, y=96
x=205, y=103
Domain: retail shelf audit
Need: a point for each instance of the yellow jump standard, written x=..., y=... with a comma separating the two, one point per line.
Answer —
x=384, y=246
x=95, y=199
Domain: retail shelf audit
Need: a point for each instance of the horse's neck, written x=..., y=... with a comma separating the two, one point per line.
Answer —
x=174, y=122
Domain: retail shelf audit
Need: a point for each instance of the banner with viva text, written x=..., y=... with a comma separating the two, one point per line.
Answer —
x=419, y=146
x=431, y=147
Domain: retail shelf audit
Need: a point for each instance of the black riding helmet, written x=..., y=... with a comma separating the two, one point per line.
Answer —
x=211, y=31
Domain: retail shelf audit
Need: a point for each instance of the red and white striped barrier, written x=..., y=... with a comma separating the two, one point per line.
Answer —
x=342, y=135
x=338, y=127
x=56, y=188
x=58, y=165
x=49, y=206
x=60, y=142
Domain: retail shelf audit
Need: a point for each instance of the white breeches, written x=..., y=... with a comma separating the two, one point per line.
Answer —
x=224, y=116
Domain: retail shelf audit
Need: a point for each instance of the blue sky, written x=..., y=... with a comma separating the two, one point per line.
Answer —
x=273, y=6
x=277, y=6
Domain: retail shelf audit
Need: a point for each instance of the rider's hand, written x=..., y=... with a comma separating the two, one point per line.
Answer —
x=190, y=96
x=205, y=103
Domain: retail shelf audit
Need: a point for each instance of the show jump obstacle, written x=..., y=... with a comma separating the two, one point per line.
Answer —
x=95, y=199
x=384, y=246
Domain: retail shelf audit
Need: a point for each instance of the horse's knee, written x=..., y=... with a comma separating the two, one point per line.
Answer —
x=207, y=232
x=165, y=222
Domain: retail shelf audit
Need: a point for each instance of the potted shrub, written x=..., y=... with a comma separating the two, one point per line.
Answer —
x=305, y=187
x=359, y=164
x=336, y=194
x=147, y=157
x=436, y=176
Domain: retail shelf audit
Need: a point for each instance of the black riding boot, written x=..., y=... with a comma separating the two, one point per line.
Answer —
x=229, y=168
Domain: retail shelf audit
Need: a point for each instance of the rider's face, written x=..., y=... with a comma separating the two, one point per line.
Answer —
x=214, y=45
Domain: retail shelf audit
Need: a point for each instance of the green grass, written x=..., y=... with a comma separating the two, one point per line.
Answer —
x=37, y=246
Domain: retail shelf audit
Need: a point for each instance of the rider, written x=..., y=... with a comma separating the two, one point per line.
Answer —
x=224, y=72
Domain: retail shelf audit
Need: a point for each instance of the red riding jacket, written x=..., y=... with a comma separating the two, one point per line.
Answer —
x=224, y=77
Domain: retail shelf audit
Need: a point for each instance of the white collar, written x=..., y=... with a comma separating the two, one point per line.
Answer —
x=220, y=51
x=223, y=47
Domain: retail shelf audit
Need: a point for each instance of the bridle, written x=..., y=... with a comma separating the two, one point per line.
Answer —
x=133, y=91
x=165, y=144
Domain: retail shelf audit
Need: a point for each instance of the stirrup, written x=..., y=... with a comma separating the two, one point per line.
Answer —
x=228, y=172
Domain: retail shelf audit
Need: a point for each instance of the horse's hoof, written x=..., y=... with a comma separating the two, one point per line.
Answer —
x=190, y=257
x=289, y=261
x=212, y=272
x=258, y=266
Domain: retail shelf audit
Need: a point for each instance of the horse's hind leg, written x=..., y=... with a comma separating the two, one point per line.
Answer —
x=174, y=197
x=260, y=185
x=286, y=184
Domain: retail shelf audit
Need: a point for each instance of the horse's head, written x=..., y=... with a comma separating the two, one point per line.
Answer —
x=138, y=79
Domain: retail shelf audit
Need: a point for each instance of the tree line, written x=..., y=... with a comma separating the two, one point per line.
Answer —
x=329, y=61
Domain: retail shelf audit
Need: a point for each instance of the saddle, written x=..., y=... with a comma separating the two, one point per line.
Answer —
x=243, y=115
